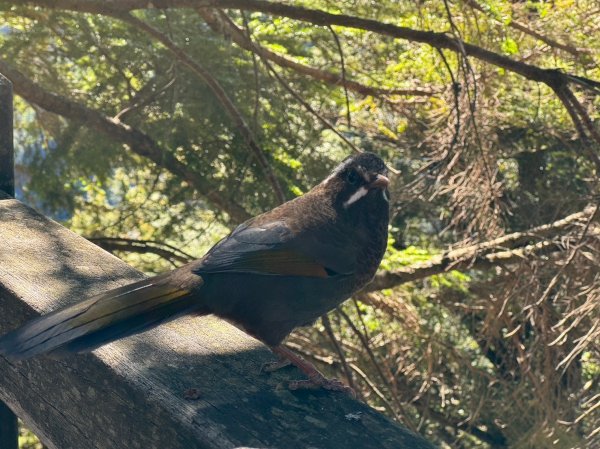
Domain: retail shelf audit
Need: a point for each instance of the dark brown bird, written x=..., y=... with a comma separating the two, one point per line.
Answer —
x=273, y=273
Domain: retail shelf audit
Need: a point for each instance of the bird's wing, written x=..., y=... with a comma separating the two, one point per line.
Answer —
x=273, y=249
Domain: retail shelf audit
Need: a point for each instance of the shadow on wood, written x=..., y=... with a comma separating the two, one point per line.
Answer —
x=129, y=394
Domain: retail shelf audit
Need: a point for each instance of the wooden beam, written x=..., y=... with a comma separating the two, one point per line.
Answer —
x=129, y=394
x=9, y=430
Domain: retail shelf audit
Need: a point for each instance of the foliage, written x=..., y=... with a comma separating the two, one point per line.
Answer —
x=500, y=352
x=28, y=440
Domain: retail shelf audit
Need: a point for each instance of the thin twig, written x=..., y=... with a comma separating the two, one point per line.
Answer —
x=568, y=262
x=367, y=347
x=164, y=250
x=455, y=93
x=338, y=350
x=219, y=92
x=301, y=100
x=256, y=75
x=343, y=66
x=578, y=116
x=523, y=28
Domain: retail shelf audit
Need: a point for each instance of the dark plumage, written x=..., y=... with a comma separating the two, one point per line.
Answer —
x=275, y=272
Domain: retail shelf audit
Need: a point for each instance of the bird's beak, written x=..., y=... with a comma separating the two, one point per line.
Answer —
x=380, y=182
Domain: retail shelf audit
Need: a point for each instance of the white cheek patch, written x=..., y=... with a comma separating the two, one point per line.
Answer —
x=355, y=197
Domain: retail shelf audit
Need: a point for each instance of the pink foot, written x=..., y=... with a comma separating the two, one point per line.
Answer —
x=316, y=380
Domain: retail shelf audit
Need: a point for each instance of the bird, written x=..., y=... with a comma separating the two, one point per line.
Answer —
x=275, y=272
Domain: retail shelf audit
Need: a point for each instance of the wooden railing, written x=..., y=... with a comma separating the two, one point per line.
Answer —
x=130, y=394
x=8, y=421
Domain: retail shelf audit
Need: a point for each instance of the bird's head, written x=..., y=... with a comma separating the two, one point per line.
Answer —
x=359, y=182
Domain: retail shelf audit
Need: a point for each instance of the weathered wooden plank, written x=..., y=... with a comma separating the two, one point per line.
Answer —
x=8, y=421
x=129, y=394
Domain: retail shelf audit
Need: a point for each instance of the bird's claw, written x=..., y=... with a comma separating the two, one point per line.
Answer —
x=270, y=367
x=318, y=382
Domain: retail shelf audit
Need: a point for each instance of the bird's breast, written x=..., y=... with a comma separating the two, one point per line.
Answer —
x=270, y=307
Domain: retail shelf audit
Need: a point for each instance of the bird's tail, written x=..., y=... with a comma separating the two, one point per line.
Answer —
x=99, y=320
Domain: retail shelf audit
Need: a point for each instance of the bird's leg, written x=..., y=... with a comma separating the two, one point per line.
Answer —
x=316, y=379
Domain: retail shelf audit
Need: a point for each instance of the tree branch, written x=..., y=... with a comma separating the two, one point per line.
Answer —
x=508, y=249
x=581, y=120
x=551, y=77
x=137, y=141
x=238, y=36
x=167, y=252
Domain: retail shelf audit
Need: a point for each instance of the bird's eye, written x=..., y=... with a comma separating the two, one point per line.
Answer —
x=352, y=177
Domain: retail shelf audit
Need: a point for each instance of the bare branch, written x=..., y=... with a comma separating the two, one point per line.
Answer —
x=483, y=255
x=164, y=250
x=581, y=120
